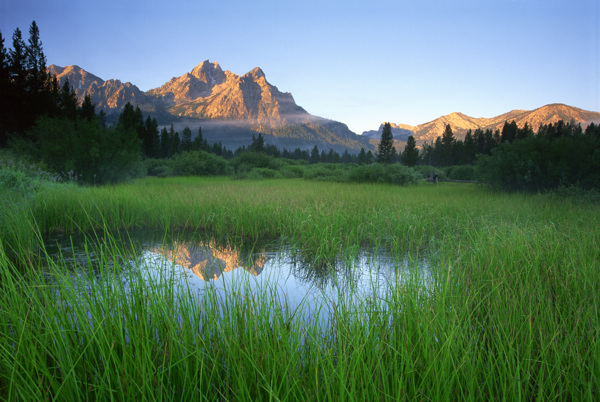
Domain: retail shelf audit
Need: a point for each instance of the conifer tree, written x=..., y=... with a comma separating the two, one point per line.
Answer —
x=315, y=157
x=410, y=154
x=186, y=140
x=385, y=150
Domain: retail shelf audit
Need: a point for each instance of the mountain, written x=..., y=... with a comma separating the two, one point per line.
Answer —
x=461, y=123
x=228, y=107
x=110, y=96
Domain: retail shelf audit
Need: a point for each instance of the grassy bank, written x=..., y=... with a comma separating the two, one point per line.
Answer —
x=514, y=314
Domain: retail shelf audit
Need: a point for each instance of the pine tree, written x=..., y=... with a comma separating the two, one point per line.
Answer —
x=258, y=143
x=386, y=145
x=470, y=148
x=509, y=132
x=362, y=156
x=5, y=93
x=87, y=110
x=35, y=62
x=410, y=154
x=448, y=140
x=186, y=140
x=315, y=157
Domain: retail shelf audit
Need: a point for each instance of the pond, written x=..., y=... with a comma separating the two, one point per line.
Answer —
x=196, y=266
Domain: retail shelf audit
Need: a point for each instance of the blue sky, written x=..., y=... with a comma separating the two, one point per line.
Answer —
x=358, y=62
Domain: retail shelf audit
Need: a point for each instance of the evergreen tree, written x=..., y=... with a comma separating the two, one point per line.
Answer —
x=165, y=143
x=437, y=152
x=315, y=157
x=386, y=145
x=346, y=157
x=68, y=101
x=5, y=93
x=362, y=157
x=258, y=143
x=87, y=110
x=35, y=62
x=470, y=148
x=186, y=140
x=509, y=132
x=17, y=62
x=199, y=143
x=150, y=138
x=524, y=132
x=448, y=140
x=410, y=154
x=369, y=158
x=176, y=141
x=331, y=156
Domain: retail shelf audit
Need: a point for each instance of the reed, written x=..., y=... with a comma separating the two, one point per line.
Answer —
x=513, y=313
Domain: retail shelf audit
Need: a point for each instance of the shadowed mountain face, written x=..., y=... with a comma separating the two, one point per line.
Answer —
x=229, y=108
x=461, y=123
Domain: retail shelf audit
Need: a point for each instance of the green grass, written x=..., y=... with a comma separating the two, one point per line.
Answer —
x=514, y=314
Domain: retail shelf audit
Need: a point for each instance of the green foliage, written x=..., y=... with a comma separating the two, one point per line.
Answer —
x=383, y=173
x=84, y=149
x=259, y=174
x=512, y=312
x=410, y=154
x=385, y=149
x=326, y=172
x=560, y=155
x=247, y=161
x=460, y=172
x=159, y=167
x=293, y=171
x=427, y=172
x=199, y=163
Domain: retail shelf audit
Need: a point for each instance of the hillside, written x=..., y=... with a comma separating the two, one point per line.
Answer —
x=229, y=108
x=461, y=123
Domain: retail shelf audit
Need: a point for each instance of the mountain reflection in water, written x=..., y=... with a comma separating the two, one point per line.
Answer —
x=209, y=260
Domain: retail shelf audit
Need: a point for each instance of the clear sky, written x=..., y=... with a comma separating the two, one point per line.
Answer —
x=358, y=62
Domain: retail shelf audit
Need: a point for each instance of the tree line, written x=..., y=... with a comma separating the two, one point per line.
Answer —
x=44, y=120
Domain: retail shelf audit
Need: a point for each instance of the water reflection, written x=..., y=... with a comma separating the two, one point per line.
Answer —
x=209, y=261
x=187, y=266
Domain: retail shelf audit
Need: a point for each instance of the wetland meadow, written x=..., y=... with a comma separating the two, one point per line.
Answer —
x=195, y=288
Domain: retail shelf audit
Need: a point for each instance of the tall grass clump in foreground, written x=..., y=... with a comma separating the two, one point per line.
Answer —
x=513, y=312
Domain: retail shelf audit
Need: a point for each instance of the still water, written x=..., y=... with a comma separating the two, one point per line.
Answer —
x=191, y=266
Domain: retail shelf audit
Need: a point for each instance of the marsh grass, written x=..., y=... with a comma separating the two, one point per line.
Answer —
x=513, y=313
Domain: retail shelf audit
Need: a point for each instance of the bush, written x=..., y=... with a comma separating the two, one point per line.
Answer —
x=542, y=163
x=247, y=161
x=85, y=150
x=326, y=172
x=460, y=172
x=257, y=174
x=381, y=173
x=199, y=163
x=292, y=171
x=427, y=172
x=159, y=167
x=267, y=173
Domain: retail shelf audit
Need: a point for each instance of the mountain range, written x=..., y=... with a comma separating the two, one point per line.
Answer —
x=231, y=109
x=461, y=123
x=228, y=107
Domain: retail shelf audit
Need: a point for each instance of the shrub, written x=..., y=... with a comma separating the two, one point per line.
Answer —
x=246, y=161
x=326, y=172
x=382, y=173
x=292, y=171
x=460, y=172
x=427, y=172
x=199, y=163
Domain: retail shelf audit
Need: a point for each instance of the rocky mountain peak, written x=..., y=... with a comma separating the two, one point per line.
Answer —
x=256, y=73
x=209, y=72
